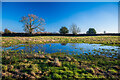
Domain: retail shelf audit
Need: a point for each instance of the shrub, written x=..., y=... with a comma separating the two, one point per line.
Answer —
x=6, y=31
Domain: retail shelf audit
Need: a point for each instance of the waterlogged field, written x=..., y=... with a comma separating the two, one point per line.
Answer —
x=61, y=57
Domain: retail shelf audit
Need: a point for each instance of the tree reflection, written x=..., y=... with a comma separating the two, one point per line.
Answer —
x=63, y=44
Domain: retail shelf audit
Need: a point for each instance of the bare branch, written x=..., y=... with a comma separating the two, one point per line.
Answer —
x=32, y=22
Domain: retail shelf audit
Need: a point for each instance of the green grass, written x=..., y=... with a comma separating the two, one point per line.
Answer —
x=91, y=66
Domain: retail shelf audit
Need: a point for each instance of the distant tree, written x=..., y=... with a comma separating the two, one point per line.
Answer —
x=91, y=31
x=32, y=23
x=63, y=30
x=104, y=32
x=7, y=31
x=74, y=29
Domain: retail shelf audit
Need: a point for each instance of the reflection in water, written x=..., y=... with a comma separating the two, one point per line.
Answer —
x=63, y=44
x=69, y=48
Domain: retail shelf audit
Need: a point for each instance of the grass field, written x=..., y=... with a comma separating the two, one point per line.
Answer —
x=106, y=40
x=22, y=65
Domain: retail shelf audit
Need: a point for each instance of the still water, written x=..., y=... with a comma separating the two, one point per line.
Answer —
x=69, y=48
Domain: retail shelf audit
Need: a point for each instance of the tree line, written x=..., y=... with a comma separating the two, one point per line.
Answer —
x=33, y=23
x=75, y=30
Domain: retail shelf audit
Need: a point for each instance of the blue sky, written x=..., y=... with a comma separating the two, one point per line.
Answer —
x=103, y=16
x=60, y=0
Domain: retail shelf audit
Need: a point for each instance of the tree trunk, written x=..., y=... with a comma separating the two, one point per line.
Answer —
x=30, y=31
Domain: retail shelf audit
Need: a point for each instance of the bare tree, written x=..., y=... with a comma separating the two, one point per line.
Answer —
x=32, y=23
x=74, y=29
